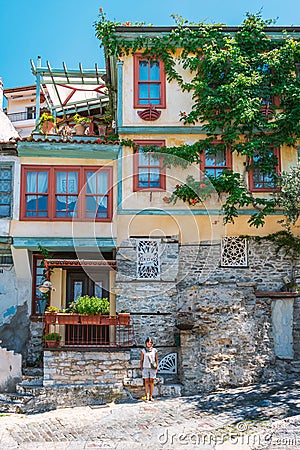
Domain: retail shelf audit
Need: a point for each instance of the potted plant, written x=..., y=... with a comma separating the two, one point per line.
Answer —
x=90, y=309
x=50, y=314
x=46, y=123
x=104, y=122
x=80, y=123
x=52, y=340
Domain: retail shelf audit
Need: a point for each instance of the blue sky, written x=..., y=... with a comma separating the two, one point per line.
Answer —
x=62, y=30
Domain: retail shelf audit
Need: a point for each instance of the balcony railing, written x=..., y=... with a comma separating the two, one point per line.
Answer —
x=16, y=117
x=80, y=330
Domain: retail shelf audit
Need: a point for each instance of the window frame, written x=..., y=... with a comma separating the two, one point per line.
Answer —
x=228, y=156
x=136, y=166
x=52, y=194
x=136, y=81
x=277, y=169
x=11, y=193
x=37, y=258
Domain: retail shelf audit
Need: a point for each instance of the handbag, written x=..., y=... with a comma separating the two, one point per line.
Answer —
x=153, y=365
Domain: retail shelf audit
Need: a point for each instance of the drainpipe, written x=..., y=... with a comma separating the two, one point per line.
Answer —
x=38, y=90
x=1, y=94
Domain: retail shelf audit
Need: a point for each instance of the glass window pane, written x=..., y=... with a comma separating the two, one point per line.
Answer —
x=143, y=91
x=96, y=182
x=78, y=289
x=43, y=203
x=143, y=158
x=143, y=174
x=210, y=159
x=210, y=172
x=4, y=210
x=31, y=182
x=155, y=91
x=31, y=203
x=221, y=158
x=218, y=172
x=153, y=161
x=98, y=289
x=102, y=207
x=42, y=182
x=154, y=71
x=67, y=182
x=154, y=178
x=143, y=70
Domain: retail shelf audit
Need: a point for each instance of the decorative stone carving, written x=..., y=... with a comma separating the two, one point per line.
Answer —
x=234, y=252
x=148, y=264
x=149, y=114
x=168, y=364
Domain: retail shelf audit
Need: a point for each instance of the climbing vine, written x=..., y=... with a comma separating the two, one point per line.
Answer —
x=245, y=94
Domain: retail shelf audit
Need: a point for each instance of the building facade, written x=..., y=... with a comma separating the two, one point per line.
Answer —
x=95, y=211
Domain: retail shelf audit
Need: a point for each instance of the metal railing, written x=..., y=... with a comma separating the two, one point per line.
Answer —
x=16, y=117
x=75, y=330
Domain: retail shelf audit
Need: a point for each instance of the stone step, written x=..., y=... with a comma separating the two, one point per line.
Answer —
x=136, y=387
x=11, y=402
x=28, y=387
x=32, y=372
x=32, y=380
x=170, y=390
x=138, y=381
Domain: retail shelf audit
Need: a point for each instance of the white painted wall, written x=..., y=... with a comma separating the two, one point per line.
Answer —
x=10, y=369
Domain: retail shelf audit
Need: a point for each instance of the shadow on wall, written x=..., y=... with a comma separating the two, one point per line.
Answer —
x=14, y=335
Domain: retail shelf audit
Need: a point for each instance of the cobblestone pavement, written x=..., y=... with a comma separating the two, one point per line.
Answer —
x=256, y=417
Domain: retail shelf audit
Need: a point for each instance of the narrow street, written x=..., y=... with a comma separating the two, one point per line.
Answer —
x=255, y=417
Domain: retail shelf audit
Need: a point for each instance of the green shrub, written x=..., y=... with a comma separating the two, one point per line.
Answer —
x=90, y=305
x=52, y=337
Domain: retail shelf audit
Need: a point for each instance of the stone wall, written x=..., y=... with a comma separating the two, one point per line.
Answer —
x=200, y=263
x=151, y=303
x=107, y=368
x=35, y=343
x=232, y=342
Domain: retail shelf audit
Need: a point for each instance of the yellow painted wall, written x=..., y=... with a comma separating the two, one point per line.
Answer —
x=176, y=100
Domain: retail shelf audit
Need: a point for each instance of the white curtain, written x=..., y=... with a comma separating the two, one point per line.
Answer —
x=66, y=182
x=96, y=182
x=39, y=184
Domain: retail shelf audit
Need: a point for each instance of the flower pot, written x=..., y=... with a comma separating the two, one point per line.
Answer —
x=102, y=130
x=184, y=321
x=184, y=326
x=79, y=129
x=107, y=320
x=52, y=344
x=90, y=320
x=48, y=127
x=67, y=319
x=124, y=318
x=50, y=317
